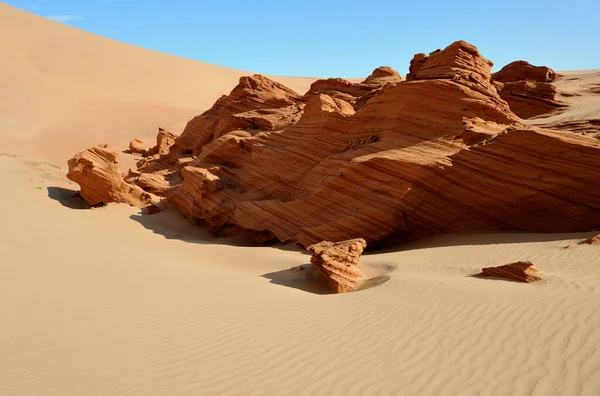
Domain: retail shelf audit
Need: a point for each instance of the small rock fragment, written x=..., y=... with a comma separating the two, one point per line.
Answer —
x=337, y=263
x=521, y=271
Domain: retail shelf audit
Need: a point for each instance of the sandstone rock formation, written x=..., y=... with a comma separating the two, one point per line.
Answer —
x=530, y=99
x=416, y=64
x=164, y=141
x=136, y=146
x=521, y=271
x=593, y=240
x=96, y=170
x=524, y=71
x=356, y=94
x=528, y=89
x=337, y=263
x=391, y=161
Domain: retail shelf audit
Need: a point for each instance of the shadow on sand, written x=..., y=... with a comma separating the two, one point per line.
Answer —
x=302, y=277
x=68, y=198
x=487, y=238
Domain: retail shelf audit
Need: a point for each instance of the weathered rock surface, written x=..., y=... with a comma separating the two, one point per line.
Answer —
x=391, y=161
x=528, y=89
x=593, y=240
x=356, y=94
x=337, y=263
x=96, y=170
x=525, y=71
x=521, y=271
x=530, y=99
x=416, y=64
x=136, y=146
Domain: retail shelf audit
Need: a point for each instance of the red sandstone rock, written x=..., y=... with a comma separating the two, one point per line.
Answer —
x=522, y=271
x=416, y=64
x=337, y=263
x=458, y=59
x=530, y=99
x=528, y=89
x=164, y=141
x=440, y=153
x=383, y=75
x=96, y=170
x=350, y=92
x=593, y=240
x=524, y=71
x=136, y=146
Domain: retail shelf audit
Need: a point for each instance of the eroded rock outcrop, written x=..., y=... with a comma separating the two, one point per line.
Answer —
x=416, y=64
x=391, y=161
x=593, y=240
x=521, y=271
x=337, y=263
x=356, y=94
x=528, y=89
x=530, y=99
x=96, y=170
x=525, y=71
x=137, y=146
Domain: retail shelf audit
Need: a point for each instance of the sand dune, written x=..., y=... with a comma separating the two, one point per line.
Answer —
x=64, y=89
x=107, y=301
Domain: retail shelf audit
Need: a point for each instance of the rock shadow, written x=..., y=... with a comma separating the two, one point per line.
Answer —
x=67, y=198
x=481, y=238
x=171, y=224
x=302, y=277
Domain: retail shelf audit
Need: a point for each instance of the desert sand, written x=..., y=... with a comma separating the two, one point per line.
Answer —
x=108, y=301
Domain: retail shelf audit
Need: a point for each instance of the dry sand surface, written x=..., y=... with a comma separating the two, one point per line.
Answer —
x=108, y=301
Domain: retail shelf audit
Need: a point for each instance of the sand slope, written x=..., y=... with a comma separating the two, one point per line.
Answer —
x=64, y=89
x=107, y=301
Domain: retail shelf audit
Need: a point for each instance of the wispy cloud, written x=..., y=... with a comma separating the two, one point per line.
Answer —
x=64, y=18
x=35, y=8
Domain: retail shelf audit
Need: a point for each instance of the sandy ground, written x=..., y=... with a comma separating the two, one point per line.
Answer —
x=108, y=301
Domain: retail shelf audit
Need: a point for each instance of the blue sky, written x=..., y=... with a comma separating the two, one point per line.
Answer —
x=340, y=38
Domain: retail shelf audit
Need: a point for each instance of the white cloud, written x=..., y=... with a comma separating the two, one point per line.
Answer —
x=65, y=18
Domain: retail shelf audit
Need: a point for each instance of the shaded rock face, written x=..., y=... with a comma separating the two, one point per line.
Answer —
x=416, y=64
x=521, y=271
x=337, y=263
x=96, y=170
x=528, y=89
x=392, y=163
